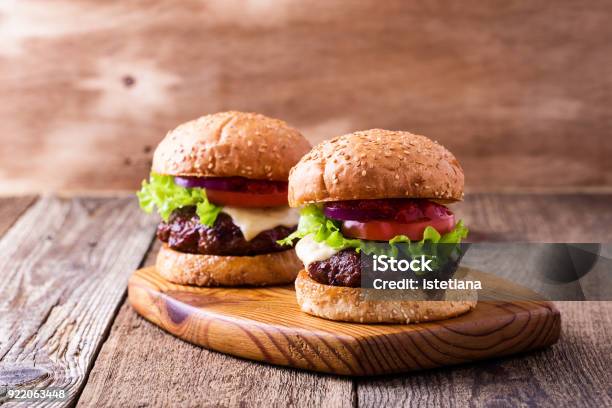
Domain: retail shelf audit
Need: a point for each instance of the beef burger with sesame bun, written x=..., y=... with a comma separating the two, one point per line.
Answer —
x=219, y=184
x=373, y=186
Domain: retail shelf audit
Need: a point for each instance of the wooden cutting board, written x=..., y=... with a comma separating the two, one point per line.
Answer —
x=266, y=324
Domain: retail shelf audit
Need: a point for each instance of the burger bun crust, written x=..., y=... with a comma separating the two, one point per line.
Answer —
x=349, y=305
x=375, y=164
x=211, y=270
x=228, y=144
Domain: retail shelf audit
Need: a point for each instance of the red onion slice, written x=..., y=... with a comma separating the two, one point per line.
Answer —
x=345, y=214
x=402, y=210
x=189, y=182
x=239, y=184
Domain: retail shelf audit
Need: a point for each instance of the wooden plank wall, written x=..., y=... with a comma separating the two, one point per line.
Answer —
x=519, y=90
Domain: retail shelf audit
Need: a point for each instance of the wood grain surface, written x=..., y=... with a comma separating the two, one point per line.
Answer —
x=266, y=324
x=11, y=208
x=574, y=373
x=64, y=275
x=520, y=92
x=143, y=365
x=140, y=365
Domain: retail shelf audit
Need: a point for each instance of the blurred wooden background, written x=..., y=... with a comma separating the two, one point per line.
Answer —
x=520, y=91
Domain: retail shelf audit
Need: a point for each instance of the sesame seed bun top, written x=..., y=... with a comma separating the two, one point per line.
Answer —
x=230, y=144
x=374, y=164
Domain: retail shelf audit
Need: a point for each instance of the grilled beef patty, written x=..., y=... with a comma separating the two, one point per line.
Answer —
x=342, y=269
x=184, y=233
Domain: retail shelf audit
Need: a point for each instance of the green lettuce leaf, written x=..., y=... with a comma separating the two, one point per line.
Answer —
x=438, y=248
x=326, y=230
x=160, y=192
x=313, y=221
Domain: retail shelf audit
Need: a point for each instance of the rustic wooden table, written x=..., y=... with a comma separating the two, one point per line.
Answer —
x=64, y=320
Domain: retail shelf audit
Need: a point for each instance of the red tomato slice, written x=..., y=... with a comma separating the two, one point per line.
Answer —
x=239, y=199
x=386, y=230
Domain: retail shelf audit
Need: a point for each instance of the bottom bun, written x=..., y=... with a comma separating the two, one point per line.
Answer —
x=350, y=304
x=212, y=270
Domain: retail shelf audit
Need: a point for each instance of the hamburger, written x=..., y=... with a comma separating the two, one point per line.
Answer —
x=219, y=184
x=373, y=187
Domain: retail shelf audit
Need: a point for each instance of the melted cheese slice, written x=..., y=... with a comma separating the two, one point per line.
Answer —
x=252, y=221
x=309, y=251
